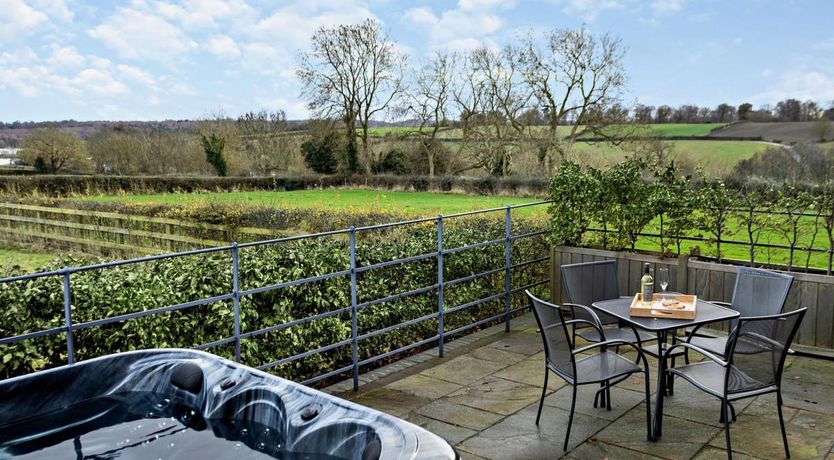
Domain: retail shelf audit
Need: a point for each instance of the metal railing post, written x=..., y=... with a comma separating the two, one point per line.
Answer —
x=507, y=275
x=440, y=286
x=236, y=296
x=354, y=320
x=68, y=318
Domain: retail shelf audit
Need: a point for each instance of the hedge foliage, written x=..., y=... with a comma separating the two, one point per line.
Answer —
x=615, y=208
x=37, y=304
x=59, y=186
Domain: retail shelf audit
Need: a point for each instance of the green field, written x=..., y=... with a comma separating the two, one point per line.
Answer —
x=717, y=157
x=28, y=260
x=415, y=204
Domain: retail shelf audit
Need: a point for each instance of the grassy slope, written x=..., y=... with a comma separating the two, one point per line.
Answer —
x=718, y=157
x=418, y=204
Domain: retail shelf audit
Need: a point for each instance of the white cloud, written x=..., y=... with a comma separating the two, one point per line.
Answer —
x=66, y=56
x=98, y=83
x=421, y=16
x=135, y=34
x=18, y=18
x=667, y=6
x=469, y=25
x=802, y=85
x=223, y=46
x=136, y=74
x=589, y=9
x=479, y=5
x=767, y=72
x=55, y=9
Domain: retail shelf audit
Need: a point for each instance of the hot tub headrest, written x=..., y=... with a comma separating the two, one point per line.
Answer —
x=188, y=377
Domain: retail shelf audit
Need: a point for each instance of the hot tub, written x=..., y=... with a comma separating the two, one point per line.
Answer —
x=184, y=404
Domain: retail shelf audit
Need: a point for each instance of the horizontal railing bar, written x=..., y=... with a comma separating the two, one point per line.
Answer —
x=475, y=276
x=341, y=370
x=473, y=303
x=140, y=314
x=398, y=350
x=388, y=263
x=308, y=319
x=529, y=262
x=475, y=324
x=32, y=335
x=287, y=239
x=528, y=286
x=215, y=343
x=397, y=296
x=316, y=351
x=397, y=224
x=527, y=235
x=473, y=246
x=287, y=284
x=397, y=326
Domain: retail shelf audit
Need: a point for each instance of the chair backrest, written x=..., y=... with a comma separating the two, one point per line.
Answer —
x=558, y=346
x=757, y=347
x=589, y=282
x=760, y=292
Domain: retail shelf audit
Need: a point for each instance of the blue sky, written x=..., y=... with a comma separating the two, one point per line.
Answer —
x=161, y=59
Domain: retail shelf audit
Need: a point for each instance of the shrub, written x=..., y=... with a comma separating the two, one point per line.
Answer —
x=38, y=304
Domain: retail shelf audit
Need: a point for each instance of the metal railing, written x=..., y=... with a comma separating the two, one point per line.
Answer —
x=70, y=327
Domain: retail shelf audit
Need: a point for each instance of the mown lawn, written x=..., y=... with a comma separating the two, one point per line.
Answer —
x=416, y=204
x=28, y=260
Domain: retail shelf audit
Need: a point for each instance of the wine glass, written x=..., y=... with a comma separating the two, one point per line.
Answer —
x=663, y=278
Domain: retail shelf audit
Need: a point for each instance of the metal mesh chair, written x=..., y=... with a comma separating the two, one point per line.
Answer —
x=567, y=361
x=755, y=357
x=757, y=293
x=589, y=282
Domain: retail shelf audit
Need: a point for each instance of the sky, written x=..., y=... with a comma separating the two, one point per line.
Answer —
x=167, y=59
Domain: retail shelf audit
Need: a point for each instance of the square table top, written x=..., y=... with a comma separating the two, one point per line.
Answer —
x=705, y=312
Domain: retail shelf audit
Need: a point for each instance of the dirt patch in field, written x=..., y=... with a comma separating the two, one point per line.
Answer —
x=789, y=132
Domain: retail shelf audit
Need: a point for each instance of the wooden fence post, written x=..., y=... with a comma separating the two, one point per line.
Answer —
x=683, y=268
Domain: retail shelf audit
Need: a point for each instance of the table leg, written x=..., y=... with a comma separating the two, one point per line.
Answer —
x=670, y=379
x=658, y=402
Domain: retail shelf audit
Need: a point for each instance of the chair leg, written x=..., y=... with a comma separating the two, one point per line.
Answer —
x=733, y=412
x=570, y=418
x=607, y=396
x=726, y=404
x=671, y=387
x=544, y=391
x=648, y=407
x=782, y=424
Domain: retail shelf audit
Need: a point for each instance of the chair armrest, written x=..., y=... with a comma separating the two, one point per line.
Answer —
x=616, y=342
x=588, y=310
x=723, y=304
x=700, y=350
x=598, y=328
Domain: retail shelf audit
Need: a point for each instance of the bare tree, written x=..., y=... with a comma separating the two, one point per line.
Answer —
x=493, y=102
x=353, y=73
x=53, y=150
x=429, y=98
x=575, y=77
x=265, y=141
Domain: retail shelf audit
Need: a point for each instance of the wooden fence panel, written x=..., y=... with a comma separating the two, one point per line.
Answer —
x=712, y=281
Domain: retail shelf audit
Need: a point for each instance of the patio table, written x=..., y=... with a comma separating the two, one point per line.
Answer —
x=705, y=312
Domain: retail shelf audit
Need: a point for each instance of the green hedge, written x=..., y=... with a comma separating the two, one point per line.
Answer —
x=37, y=304
x=57, y=186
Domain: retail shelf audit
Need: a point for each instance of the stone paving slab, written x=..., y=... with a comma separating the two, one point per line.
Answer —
x=464, y=370
x=483, y=397
x=458, y=414
x=496, y=395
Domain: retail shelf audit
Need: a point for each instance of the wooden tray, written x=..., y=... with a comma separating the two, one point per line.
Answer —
x=684, y=308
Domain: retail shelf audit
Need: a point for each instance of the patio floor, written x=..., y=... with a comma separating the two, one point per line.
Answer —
x=483, y=395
